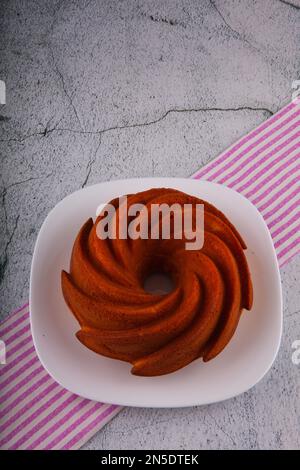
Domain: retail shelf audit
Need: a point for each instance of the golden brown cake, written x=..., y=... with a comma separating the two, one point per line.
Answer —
x=158, y=334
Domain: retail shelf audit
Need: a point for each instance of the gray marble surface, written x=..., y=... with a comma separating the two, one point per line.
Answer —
x=99, y=90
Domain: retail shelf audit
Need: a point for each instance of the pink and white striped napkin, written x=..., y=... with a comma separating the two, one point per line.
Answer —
x=264, y=166
x=36, y=412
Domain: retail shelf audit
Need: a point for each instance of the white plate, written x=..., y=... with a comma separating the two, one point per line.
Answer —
x=241, y=365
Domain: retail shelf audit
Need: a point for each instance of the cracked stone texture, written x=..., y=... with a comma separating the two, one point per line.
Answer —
x=100, y=90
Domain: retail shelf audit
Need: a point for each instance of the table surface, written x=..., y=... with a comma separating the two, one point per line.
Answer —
x=100, y=90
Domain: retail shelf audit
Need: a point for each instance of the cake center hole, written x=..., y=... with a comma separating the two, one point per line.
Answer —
x=158, y=283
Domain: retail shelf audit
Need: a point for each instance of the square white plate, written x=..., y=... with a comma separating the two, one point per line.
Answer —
x=241, y=365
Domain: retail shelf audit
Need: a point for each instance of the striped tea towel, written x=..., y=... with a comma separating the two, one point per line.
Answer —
x=36, y=412
x=264, y=166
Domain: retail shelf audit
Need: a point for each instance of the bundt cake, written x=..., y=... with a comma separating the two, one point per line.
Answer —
x=158, y=334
